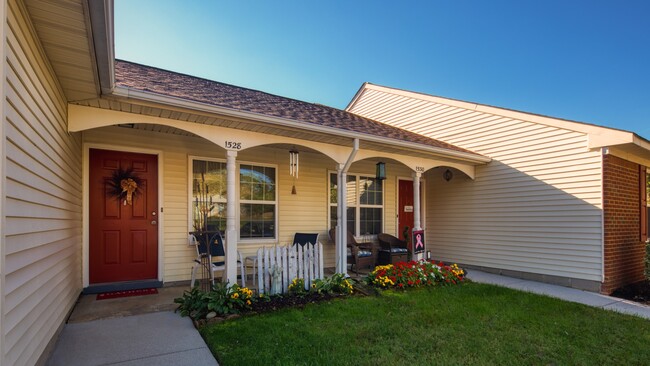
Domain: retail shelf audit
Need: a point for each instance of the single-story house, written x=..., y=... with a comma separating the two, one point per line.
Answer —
x=501, y=190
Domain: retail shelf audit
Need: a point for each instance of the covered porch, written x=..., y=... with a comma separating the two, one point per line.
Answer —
x=246, y=156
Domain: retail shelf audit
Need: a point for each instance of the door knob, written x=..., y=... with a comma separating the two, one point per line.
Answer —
x=153, y=222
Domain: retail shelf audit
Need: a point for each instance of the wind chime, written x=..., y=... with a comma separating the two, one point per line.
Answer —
x=293, y=168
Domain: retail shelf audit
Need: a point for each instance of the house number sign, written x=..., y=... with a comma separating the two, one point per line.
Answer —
x=236, y=145
x=419, y=169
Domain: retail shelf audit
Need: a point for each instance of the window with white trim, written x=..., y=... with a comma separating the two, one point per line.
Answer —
x=365, y=204
x=257, y=197
x=257, y=201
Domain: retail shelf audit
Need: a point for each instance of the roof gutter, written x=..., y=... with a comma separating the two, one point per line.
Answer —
x=101, y=23
x=285, y=122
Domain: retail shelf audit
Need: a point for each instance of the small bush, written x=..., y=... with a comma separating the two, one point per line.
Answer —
x=223, y=300
x=337, y=284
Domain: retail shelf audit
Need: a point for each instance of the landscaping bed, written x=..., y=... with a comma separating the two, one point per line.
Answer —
x=637, y=292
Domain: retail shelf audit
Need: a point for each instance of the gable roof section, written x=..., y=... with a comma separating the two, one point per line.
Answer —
x=599, y=136
x=132, y=76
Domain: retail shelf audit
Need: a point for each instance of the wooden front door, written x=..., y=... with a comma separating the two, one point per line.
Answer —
x=123, y=237
x=405, y=208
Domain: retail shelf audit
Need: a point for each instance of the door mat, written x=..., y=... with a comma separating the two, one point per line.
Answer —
x=126, y=293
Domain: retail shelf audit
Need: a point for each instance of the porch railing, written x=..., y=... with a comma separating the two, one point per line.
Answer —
x=279, y=265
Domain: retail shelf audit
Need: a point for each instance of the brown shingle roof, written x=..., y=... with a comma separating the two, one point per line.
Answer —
x=168, y=83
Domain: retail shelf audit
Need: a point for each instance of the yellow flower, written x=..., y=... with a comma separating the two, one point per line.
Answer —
x=235, y=295
x=248, y=302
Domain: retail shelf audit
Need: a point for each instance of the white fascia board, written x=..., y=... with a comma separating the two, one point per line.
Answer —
x=203, y=107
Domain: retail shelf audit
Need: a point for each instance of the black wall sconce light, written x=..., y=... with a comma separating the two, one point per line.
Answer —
x=381, y=171
x=447, y=175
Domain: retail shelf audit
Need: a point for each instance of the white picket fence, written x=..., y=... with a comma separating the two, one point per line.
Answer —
x=279, y=265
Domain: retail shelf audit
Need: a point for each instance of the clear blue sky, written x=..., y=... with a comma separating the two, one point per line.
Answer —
x=581, y=60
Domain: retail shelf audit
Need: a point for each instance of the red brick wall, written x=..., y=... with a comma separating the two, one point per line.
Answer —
x=624, y=251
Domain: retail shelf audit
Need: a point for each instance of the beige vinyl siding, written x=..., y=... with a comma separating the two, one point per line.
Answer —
x=42, y=264
x=307, y=211
x=535, y=208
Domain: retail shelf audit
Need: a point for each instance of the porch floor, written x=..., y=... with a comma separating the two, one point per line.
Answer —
x=88, y=308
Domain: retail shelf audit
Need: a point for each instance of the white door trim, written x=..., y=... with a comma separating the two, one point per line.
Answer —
x=86, y=204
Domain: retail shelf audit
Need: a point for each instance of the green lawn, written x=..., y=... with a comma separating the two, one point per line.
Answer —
x=470, y=324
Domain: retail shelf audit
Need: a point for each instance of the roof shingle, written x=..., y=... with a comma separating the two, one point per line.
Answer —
x=172, y=84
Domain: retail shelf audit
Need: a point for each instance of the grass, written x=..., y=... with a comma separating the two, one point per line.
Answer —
x=470, y=324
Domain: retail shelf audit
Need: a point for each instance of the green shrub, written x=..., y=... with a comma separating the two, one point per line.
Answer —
x=336, y=284
x=223, y=300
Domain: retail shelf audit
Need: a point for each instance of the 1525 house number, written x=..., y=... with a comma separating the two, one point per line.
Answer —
x=233, y=145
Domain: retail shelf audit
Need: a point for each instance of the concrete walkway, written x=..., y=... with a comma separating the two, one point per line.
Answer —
x=564, y=293
x=161, y=339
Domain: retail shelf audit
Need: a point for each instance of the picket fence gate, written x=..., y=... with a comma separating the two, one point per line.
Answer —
x=279, y=265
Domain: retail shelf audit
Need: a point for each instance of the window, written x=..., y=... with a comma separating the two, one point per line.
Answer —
x=257, y=197
x=365, y=204
x=645, y=203
x=213, y=174
x=257, y=201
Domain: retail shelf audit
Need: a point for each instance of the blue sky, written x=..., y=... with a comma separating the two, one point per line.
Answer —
x=587, y=61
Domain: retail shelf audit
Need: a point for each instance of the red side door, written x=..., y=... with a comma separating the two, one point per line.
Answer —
x=123, y=238
x=405, y=208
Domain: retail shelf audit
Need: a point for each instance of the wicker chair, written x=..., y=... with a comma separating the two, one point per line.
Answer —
x=359, y=255
x=392, y=250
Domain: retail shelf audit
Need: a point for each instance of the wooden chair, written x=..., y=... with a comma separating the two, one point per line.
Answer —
x=359, y=255
x=392, y=250
x=305, y=238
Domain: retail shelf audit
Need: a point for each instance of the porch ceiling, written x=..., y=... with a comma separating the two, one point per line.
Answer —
x=121, y=104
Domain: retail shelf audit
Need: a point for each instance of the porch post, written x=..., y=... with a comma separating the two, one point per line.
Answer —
x=231, y=217
x=417, y=225
x=337, y=238
x=343, y=204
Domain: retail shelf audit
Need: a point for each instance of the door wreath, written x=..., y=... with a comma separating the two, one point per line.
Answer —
x=124, y=185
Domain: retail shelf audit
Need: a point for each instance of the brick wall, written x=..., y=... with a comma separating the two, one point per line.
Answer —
x=624, y=252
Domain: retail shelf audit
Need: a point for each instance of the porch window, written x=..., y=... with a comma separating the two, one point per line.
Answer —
x=365, y=204
x=214, y=174
x=257, y=197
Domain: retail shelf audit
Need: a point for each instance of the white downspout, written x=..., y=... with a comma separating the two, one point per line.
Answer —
x=342, y=261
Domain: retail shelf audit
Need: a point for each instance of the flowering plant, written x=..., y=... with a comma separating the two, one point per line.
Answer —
x=335, y=284
x=415, y=274
x=297, y=286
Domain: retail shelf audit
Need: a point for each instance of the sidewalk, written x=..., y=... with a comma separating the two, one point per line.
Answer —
x=564, y=293
x=161, y=339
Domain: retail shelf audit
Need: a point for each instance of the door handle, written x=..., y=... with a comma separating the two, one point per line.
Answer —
x=153, y=222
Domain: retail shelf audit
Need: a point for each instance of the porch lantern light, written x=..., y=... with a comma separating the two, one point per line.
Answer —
x=447, y=175
x=381, y=171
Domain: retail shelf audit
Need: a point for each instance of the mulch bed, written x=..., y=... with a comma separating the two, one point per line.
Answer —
x=637, y=292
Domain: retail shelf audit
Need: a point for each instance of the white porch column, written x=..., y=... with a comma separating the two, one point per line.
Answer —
x=337, y=238
x=231, y=217
x=417, y=225
x=343, y=204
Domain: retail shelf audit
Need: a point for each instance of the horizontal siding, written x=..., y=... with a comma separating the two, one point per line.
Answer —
x=535, y=208
x=307, y=211
x=43, y=199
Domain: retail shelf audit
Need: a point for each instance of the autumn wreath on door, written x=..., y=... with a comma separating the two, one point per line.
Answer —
x=124, y=185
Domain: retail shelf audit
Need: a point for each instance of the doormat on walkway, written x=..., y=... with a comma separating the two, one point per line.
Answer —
x=127, y=293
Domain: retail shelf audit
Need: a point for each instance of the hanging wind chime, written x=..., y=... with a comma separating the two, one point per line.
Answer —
x=293, y=168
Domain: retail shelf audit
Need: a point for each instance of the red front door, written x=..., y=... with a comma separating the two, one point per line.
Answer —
x=405, y=208
x=123, y=237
